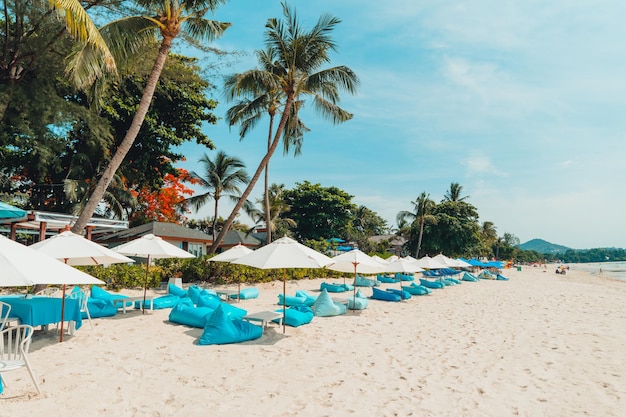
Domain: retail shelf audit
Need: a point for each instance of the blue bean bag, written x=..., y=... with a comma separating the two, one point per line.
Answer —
x=99, y=308
x=297, y=315
x=247, y=294
x=469, y=277
x=358, y=302
x=501, y=278
x=415, y=289
x=384, y=295
x=186, y=313
x=309, y=298
x=194, y=293
x=454, y=280
x=332, y=287
x=289, y=300
x=447, y=282
x=220, y=330
x=213, y=302
x=360, y=281
x=386, y=279
x=405, y=295
x=102, y=294
x=432, y=284
x=176, y=290
x=404, y=277
x=164, y=301
x=325, y=306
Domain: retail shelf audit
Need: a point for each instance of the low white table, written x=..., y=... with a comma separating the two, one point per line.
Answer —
x=131, y=300
x=265, y=317
x=228, y=294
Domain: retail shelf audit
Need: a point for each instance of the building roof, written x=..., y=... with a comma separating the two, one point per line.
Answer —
x=168, y=231
x=235, y=237
x=393, y=240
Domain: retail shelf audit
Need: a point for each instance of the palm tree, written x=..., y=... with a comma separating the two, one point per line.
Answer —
x=20, y=53
x=423, y=207
x=165, y=17
x=454, y=193
x=489, y=235
x=299, y=54
x=261, y=95
x=222, y=178
x=279, y=224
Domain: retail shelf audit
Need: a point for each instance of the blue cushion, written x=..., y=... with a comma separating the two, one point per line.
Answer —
x=404, y=277
x=99, y=308
x=289, y=300
x=501, y=278
x=357, y=303
x=403, y=294
x=469, y=277
x=164, y=301
x=332, y=287
x=213, y=302
x=309, y=298
x=360, y=281
x=247, y=294
x=415, y=289
x=297, y=315
x=220, y=329
x=194, y=292
x=432, y=284
x=384, y=295
x=102, y=294
x=176, y=290
x=186, y=313
x=325, y=307
x=387, y=280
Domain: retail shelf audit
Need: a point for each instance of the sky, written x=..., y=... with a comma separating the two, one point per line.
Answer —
x=523, y=103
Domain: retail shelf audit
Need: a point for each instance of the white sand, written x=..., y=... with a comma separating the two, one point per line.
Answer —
x=538, y=345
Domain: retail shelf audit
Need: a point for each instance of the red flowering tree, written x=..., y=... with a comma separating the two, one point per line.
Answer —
x=167, y=204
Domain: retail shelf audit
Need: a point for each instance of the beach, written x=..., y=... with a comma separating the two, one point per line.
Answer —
x=540, y=344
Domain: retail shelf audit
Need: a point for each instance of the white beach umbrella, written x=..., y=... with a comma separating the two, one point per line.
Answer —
x=73, y=249
x=430, y=263
x=449, y=262
x=379, y=259
x=22, y=266
x=231, y=254
x=150, y=247
x=403, y=266
x=284, y=253
x=357, y=262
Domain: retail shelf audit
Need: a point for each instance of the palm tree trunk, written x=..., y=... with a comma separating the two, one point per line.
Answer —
x=215, y=217
x=255, y=177
x=268, y=215
x=129, y=139
x=419, y=239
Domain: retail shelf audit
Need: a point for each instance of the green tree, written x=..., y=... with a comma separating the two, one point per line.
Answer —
x=488, y=237
x=279, y=223
x=166, y=18
x=30, y=32
x=423, y=208
x=454, y=193
x=222, y=178
x=299, y=55
x=456, y=233
x=258, y=95
x=320, y=212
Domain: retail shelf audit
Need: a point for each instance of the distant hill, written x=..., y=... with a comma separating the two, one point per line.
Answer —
x=542, y=246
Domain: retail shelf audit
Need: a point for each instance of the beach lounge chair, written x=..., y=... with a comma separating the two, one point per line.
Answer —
x=333, y=287
x=404, y=277
x=297, y=316
x=220, y=329
x=469, y=277
x=290, y=300
x=14, y=346
x=384, y=295
x=432, y=284
x=360, y=281
x=386, y=279
x=405, y=295
x=325, y=306
x=415, y=289
x=186, y=313
x=501, y=278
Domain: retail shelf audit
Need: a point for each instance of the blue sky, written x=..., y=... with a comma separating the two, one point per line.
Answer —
x=521, y=102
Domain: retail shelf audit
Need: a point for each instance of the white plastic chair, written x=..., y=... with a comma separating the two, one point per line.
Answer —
x=5, y=310
x=48, y=292
x=14, y=345
x=81, y=296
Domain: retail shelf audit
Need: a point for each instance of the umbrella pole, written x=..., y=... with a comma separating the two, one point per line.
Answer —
x=284, y=295
x=62, y=313
x=354, y=289
x=145, y=287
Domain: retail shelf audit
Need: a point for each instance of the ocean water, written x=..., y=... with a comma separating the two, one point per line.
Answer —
x=607, y=269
